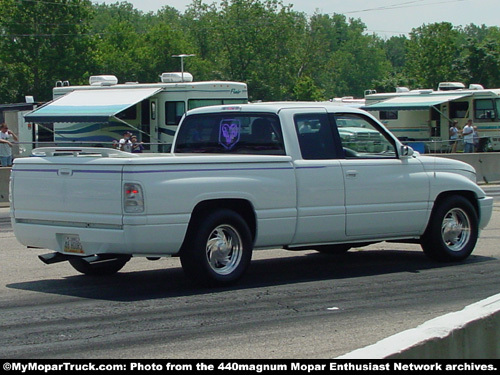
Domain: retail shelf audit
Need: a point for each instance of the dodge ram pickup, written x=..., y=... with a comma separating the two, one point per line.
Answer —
x=245, y=177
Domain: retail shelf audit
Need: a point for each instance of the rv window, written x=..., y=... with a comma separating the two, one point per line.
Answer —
x=388, y=115
x=174, y=112
x=153, y=110
x=196, y=103
x=459, y=109
x=484, y=109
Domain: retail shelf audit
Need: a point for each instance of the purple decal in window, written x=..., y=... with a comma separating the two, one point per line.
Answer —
x=229, y=133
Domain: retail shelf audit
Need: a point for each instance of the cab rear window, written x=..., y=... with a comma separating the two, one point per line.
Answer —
x=231, y=133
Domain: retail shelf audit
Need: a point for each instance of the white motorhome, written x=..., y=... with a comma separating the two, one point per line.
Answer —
x=425, y=115
x=102, y=111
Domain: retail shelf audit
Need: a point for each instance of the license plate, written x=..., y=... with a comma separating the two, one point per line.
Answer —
x=72, y=244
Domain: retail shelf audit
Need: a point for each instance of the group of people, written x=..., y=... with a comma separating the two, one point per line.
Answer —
x=468, y=133
x=129, y=143
x=6, y=139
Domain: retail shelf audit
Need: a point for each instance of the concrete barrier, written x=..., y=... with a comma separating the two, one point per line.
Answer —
x=487, y=164
x=4, y=184
x=473, y=333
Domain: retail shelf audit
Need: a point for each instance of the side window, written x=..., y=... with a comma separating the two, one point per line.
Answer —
x=389, y=115
x=315, y=136
x=174, y=112
x=361, y=138
x=484, y=109
x=197, y=103
x=459, y=109
x=232, y=133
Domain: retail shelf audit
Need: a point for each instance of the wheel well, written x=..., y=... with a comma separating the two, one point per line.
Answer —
x=469, y=195
x=241, y=206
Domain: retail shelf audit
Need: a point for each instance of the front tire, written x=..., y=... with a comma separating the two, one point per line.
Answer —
x=452, y=232
x=218, y=248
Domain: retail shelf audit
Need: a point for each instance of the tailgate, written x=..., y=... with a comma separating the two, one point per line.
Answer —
x=66, y=190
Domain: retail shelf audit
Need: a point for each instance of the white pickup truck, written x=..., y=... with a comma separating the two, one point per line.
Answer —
x=240, y=178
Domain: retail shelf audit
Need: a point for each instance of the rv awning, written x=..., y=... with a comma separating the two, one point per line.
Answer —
x=413, y=102
x=90, y=105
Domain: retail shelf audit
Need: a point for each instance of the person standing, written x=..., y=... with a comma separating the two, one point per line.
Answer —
x=137, y=147
x=6, y=138
x=468, y=135
x=454, y=136
x=476, y=139
x=125, y=143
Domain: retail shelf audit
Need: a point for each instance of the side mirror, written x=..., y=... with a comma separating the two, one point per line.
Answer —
x=406, y=151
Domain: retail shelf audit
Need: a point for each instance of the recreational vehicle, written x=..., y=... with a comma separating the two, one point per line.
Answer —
x=99, y=113
x=425, y=115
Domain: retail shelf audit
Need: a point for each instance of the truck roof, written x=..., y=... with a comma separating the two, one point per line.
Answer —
x=274, y=107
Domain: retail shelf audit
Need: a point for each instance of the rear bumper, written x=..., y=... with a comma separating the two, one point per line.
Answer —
x=160, y=239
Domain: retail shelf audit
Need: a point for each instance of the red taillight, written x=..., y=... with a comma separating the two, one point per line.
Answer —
x=133, y=201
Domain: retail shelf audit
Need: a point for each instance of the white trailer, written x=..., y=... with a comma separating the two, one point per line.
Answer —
x=425, y=115
x=99, y=113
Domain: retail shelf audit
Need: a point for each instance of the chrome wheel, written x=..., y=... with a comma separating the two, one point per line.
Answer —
x=452, y=231
x=224, y=250
x=456, y=229
x=217, y=249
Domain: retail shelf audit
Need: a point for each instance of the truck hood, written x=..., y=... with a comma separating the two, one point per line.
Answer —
x=437, y=164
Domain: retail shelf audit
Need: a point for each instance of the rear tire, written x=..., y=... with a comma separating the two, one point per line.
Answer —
x=102, y=268
x=452, y=231
x=217, y=249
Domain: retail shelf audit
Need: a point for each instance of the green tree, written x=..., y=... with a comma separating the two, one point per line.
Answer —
x=42, y=42
x=432, y=54
x=252, y=41
x=480, y=57
x=306, y=89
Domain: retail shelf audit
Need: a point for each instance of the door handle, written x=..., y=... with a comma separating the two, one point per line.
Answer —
x=65, y=172
x=351, y=174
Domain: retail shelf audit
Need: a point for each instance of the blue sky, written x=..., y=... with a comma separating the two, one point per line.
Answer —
x=383, y=17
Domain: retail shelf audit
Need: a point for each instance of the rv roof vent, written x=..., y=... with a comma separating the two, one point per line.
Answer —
x=402, y=89
x=173, y=77
x=476, y=86
x=103, y=80
x=425, y=91
x=447, y=86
